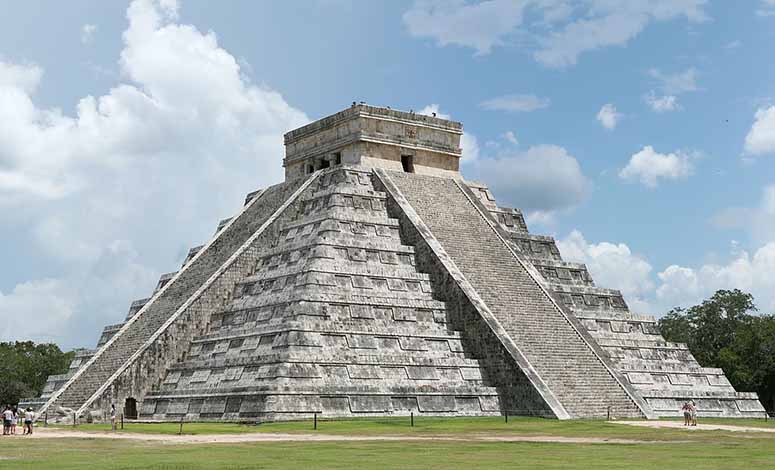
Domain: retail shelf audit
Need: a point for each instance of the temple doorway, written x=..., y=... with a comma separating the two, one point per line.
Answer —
x=130, y=408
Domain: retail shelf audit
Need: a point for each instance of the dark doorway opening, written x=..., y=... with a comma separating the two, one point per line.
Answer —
x=324, y=164
x=407, y=161
x=338, y=158
x=130, y=408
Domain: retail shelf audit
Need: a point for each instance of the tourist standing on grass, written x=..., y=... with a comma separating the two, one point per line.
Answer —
x=29, y=415
x=687, y=410
x=14, y=417
x=113, y=417
x=694, y=413
x=14, y=420
x=7, y=417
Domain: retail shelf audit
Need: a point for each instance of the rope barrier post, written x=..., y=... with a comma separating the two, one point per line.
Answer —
x=608, y=413
x=315, y=421
x=45, y=420
x=506, y=415
x=411, y=418
x=122, y=421
x=74, y=418
x=180, y=432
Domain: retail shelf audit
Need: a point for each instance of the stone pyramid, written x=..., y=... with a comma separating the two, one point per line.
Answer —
x=376, y=281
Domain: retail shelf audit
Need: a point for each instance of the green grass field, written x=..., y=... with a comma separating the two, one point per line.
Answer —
x=664, y=448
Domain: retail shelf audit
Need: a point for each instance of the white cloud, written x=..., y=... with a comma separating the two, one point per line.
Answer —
x=19, y=79
x=113, y=194
x=468, y=143
x=612, y=265
x=36, y=310
x=761, y=138
x=650, y=166
x=683, y=286
x=480, y=26
x=515, y=103
x=670, y=86
x=529, y=180
x=87, y=32
x=610, y=23
x=608, y=116
x=766, y=8
x=662, y=104
x=677, y=83
x=510, y=137
x=565, y=29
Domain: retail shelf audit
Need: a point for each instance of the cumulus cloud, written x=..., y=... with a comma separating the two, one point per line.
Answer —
x=670, y=86
x=612, y=265
x=515, y=103
x=649, y=166
x=561, y=30
x=608, y=116
x=468, y=143
x=530, y=180
x=661, y=104
x=87, y=32
x=682, y=286
x=761, y=138
x=113, y=194
x=480, y=26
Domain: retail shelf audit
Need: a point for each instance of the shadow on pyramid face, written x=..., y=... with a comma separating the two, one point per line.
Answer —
x=375, y=281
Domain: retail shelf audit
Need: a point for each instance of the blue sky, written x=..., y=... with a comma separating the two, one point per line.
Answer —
x=640, y=134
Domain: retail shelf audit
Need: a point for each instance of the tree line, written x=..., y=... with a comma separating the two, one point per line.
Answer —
x=726, y=331
x=24, y=367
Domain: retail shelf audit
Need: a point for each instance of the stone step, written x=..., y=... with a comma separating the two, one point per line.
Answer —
x=568, y=365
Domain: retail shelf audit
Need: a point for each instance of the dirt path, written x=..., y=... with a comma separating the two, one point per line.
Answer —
x=700, y=426
x=44, y=433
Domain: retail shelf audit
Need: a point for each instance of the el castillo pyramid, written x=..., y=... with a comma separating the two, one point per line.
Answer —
x=376, y=281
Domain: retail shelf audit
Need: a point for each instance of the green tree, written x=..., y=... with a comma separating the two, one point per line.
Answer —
x=724, y=332
x=749, y=361
x=24, y=367
x=711, y=326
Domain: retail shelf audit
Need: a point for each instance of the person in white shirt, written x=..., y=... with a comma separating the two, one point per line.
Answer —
x=7, y=419
x=29, y=416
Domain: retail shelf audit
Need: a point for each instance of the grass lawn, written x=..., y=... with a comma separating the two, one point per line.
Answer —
x=676, y=448
x=427, y=426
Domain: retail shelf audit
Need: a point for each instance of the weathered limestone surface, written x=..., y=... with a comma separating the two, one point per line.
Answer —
x=154, y=315
x=335, y=319
x=577, y=377
x=664, y=374
x=353, y=290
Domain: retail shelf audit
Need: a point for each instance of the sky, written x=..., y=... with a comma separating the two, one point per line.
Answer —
x=640, y=134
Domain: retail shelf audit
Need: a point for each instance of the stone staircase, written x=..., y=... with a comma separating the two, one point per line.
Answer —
x=173, y=293
x=665, y=375
x=335, y=319
x=553, y=346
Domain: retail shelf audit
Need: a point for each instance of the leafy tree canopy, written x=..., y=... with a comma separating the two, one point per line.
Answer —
x=725, y=331
x=24, y=367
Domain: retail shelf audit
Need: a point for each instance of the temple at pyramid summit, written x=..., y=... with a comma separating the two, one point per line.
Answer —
x=376, y=281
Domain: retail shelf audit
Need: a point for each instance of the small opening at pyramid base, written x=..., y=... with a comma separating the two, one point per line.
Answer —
x=407, y=161
x=130, y=408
